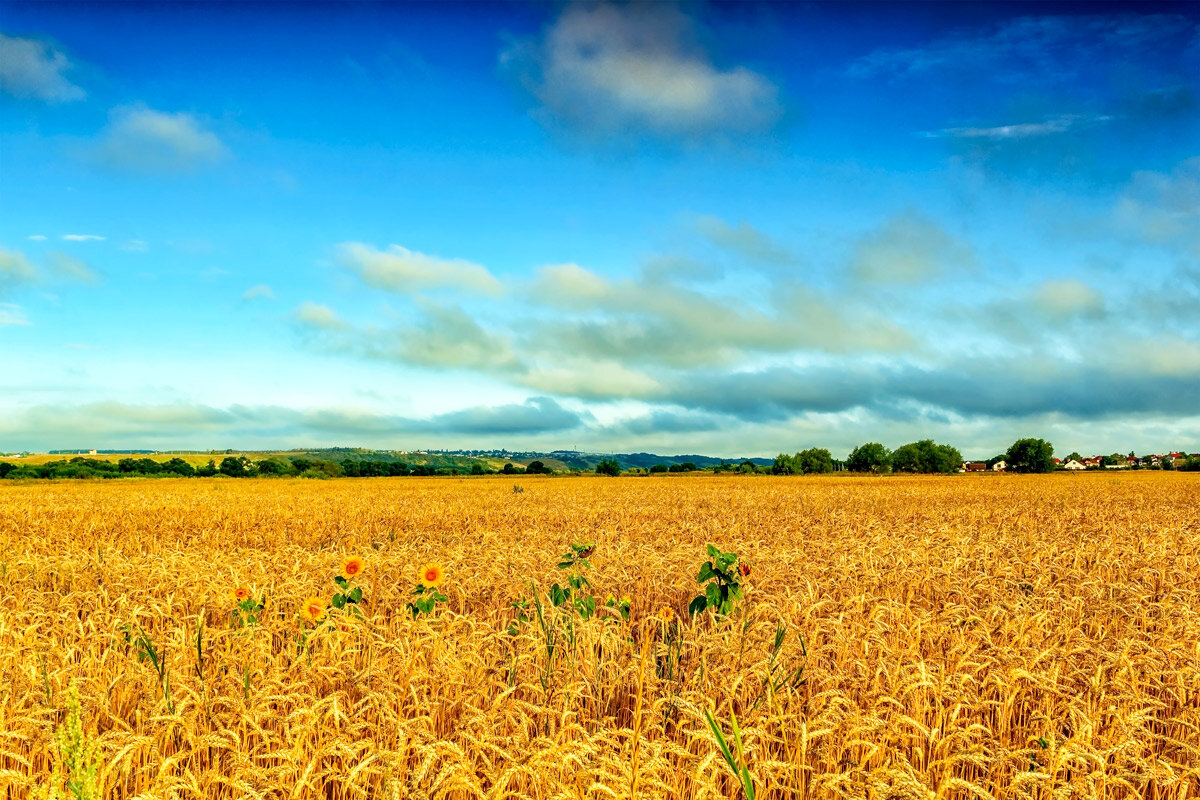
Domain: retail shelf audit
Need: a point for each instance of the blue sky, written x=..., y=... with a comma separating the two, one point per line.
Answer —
x=728, y=229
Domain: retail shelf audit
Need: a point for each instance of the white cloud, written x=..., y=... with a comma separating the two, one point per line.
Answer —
x=72, y=268
x=319, y=316
x=140, y=139
x=909, y=248
x=11, y=315
x=743, y=239
x=607, y=69
x=399, y=269
x=37, y=237
x=1068, y=297
x=260, y=291
x=83, y=237
x=15, y=269
x=33, y=69
x=1025, y=130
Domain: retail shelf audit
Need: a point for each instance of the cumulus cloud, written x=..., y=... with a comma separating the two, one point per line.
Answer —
x=320, y=317
x=30, y=68
x=606, y=70
x=37, y=237
x=139, y=139
x=115, y=424
x=1164, y=208
x=909, y=248
x=399, y=269
x=535, y=415
x=72, y=269
x=15, y=270
x=744, y=240
x=1068, y=297
x=261, y=291
x=444, y=337
x=82, y=237
x=12, y=315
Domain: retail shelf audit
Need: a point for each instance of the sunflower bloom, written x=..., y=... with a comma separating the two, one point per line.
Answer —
x=352, y=565
x=239, y=594
x=313, y=608
x=744, y=569
x=667, y=613
x=432, y=575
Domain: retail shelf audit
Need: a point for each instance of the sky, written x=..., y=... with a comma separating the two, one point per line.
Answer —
x=723, y=229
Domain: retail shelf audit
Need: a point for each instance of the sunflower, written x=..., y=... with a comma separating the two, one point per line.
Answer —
x=313, y=608
x=352, y=565
x=667, y=613
x=239, y=594
x=432, y=575
x=744, y=569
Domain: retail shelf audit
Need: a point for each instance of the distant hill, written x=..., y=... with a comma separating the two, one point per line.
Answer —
x=455, y=460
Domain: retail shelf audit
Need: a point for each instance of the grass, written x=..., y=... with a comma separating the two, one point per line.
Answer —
x=958, y=637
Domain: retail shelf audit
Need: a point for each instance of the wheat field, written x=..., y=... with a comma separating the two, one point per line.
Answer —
x=970, y=636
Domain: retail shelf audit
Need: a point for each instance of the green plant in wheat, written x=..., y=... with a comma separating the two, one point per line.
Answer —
x=147, y=652
x=75, y=759
x=428, y=592
x=577, y=593
x=348, y=596
x=247, y=608
x=736, y=765
x=721, y=577
x=777, y=677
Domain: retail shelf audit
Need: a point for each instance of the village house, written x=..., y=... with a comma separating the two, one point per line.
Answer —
x=1073, y=465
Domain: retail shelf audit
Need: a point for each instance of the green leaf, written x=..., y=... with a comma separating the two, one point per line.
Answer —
x=565, y=564
x=706, y=572
x=339, y=601
x=714, y=595
x=356, y=595
x=340, y=581
x=697, y=606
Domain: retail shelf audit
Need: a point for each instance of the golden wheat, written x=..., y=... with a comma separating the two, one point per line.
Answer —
x=975, y=636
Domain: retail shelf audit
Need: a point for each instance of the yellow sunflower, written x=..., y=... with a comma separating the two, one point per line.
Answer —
x=352, y=565
x=239, y=594
x=432, y=575
x=313, y=608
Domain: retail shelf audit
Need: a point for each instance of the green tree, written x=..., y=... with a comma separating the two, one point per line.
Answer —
x=814, y=460
x=926, y=456
x=658, y=468
x=609, y=466
x=536, y=468
x=179, y=467
x=237, y=467
x=783, y=465
x=1074, y=457
x=869, y=457
x=1030, y=455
